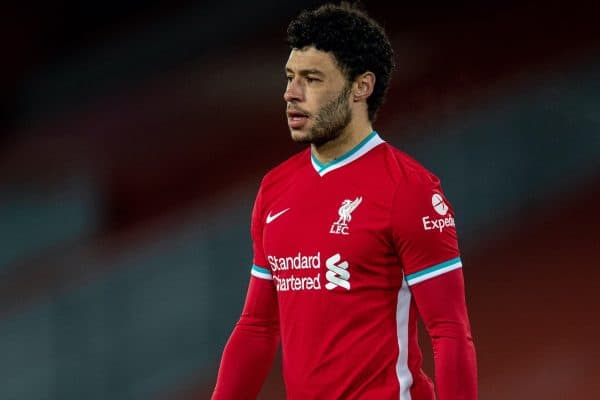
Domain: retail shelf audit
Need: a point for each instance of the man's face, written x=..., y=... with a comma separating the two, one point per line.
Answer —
x=317, y=96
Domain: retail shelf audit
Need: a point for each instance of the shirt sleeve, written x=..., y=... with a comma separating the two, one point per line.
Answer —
x=424, y=230
x=249, y=352
x=256, y=230
x=260, y=269
x=425, y=238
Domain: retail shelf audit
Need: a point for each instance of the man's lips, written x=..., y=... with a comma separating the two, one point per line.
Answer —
x=296, y=119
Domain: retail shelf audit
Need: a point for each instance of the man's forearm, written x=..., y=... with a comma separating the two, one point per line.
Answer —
x=246, y=361
x=441, y=303
x=455, y=364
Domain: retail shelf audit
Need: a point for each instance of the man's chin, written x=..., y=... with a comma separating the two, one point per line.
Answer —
x=300, y=136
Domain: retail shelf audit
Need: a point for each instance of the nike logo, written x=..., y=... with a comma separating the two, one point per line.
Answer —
x=271, y=218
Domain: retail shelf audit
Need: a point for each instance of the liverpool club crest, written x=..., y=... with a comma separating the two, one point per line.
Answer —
x=340, y=227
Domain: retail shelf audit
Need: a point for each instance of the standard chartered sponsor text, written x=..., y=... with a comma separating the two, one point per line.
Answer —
x=300, y=272
x=294, y=283
x=297, y=262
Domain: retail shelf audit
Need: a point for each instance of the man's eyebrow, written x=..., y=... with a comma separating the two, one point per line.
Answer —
x=304, y=72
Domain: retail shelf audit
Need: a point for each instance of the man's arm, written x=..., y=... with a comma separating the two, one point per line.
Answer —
x=249, y=353
x=427, y=244
x=441, y=304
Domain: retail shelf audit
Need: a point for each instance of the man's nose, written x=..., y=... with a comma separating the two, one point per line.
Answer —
x=293, y=92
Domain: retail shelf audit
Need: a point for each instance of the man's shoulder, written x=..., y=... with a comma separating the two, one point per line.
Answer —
x=286, y=170
x=416, y=187
x=406, y=170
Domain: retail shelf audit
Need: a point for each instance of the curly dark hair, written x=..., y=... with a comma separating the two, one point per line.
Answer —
x=357, y=42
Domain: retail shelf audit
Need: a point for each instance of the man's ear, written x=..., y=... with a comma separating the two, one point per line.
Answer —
x=363, y=86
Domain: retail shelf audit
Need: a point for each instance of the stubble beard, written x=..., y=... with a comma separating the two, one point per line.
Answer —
x=331, y=120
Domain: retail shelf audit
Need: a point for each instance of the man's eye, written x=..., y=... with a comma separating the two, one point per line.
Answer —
x=311, y=80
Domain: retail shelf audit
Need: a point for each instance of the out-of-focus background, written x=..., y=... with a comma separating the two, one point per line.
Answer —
x=135, y=134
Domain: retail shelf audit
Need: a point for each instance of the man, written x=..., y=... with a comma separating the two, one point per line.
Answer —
x=353, y=240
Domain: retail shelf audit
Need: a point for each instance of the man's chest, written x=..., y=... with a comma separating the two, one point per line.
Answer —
x=329, y=235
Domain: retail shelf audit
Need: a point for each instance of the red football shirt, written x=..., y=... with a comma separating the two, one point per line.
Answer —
x=342, y=246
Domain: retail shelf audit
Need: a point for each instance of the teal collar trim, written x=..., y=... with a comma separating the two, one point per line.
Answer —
x=368, y=143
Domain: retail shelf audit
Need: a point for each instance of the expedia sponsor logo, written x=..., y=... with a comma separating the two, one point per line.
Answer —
x=440, y=207
x=438, y=224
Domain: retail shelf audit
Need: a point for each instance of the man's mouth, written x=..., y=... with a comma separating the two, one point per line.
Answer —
x=296, y=119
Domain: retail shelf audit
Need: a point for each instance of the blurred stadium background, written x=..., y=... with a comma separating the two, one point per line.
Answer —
x=134, y=136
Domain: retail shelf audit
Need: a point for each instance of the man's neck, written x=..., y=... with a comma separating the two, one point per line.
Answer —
x=349, y=139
